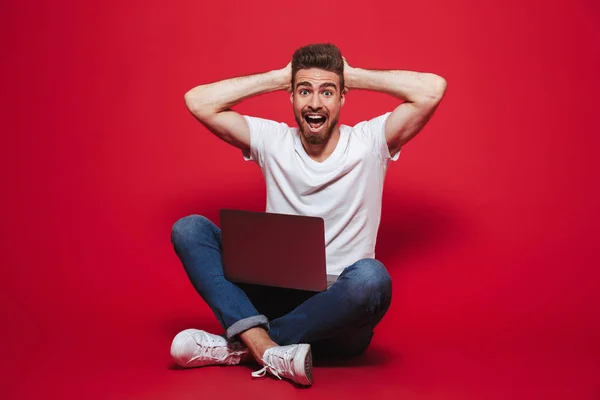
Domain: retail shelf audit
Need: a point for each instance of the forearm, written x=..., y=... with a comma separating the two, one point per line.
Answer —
x=220, y=96
x=413, y=87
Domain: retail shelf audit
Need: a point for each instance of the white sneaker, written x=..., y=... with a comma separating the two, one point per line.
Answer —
x=292, y=362
x=195, y=348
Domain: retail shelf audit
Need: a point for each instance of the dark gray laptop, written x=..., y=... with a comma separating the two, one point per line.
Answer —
x=271, y=249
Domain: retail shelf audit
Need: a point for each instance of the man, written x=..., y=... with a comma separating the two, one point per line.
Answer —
x=318, y=169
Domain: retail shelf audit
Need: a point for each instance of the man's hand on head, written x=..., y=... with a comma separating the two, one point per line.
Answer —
x=287, y=73
x=348, y=70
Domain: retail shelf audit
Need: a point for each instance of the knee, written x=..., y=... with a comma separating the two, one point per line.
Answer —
x=371, y=284
x=371, y=276
x=190, y=227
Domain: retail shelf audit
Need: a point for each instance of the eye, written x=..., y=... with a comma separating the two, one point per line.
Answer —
x=303, y=92
x=328, y=93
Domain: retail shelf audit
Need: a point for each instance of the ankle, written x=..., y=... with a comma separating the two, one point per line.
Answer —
x=263, y=350
x=258, y=350
x=258, y=341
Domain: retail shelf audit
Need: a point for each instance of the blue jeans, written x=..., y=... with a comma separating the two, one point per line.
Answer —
x=339, y=321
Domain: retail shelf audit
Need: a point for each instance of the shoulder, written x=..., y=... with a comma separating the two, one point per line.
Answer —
x=372, y=126
x=268, y=136
x=371, y=134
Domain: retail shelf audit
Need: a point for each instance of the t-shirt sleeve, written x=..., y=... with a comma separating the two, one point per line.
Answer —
x=373, y=131
x=260, y=130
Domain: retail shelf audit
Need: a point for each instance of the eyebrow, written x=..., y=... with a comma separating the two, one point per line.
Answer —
x=326, y=84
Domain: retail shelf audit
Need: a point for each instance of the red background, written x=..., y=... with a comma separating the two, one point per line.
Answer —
x=490, y=216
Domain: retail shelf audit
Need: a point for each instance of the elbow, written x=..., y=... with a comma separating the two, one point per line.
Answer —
x=439, y=86
x=193, y=102
x=433, y=91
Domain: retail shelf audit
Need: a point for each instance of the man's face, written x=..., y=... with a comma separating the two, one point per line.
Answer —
x=317, y=101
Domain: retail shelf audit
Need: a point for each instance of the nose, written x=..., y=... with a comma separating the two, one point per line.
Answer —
x=315, y=102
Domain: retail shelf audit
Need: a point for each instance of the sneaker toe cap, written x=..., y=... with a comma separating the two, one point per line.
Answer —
x=184, y=346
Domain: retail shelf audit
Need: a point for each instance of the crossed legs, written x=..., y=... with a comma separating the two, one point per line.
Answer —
x=338, y=321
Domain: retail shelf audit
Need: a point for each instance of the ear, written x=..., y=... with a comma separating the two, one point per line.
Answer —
x=292, y=97
x=342, y=99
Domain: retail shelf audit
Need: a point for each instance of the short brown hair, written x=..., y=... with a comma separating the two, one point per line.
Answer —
x=323, y=56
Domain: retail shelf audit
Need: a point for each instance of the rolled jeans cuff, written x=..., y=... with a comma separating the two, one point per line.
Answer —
x=247, y=323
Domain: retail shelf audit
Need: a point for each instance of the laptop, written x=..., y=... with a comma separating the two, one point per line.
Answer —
x=270, y=249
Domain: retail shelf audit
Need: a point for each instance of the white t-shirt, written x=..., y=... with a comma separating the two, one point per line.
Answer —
x=345, y=189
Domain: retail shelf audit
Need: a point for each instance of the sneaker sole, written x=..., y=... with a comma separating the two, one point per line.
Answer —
x=303, y=365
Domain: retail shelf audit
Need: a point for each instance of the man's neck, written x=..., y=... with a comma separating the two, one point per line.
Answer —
x=321, y=152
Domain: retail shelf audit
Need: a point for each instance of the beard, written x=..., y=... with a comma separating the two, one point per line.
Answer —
x=316, y=138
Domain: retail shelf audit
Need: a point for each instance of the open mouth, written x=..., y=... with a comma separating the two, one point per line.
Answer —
x=315, y=121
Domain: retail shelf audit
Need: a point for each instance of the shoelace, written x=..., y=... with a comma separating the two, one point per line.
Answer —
x=276, y=364
x=214, y=351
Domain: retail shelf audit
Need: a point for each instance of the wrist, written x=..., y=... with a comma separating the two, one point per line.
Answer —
x=352, y=78
x=281, y=79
